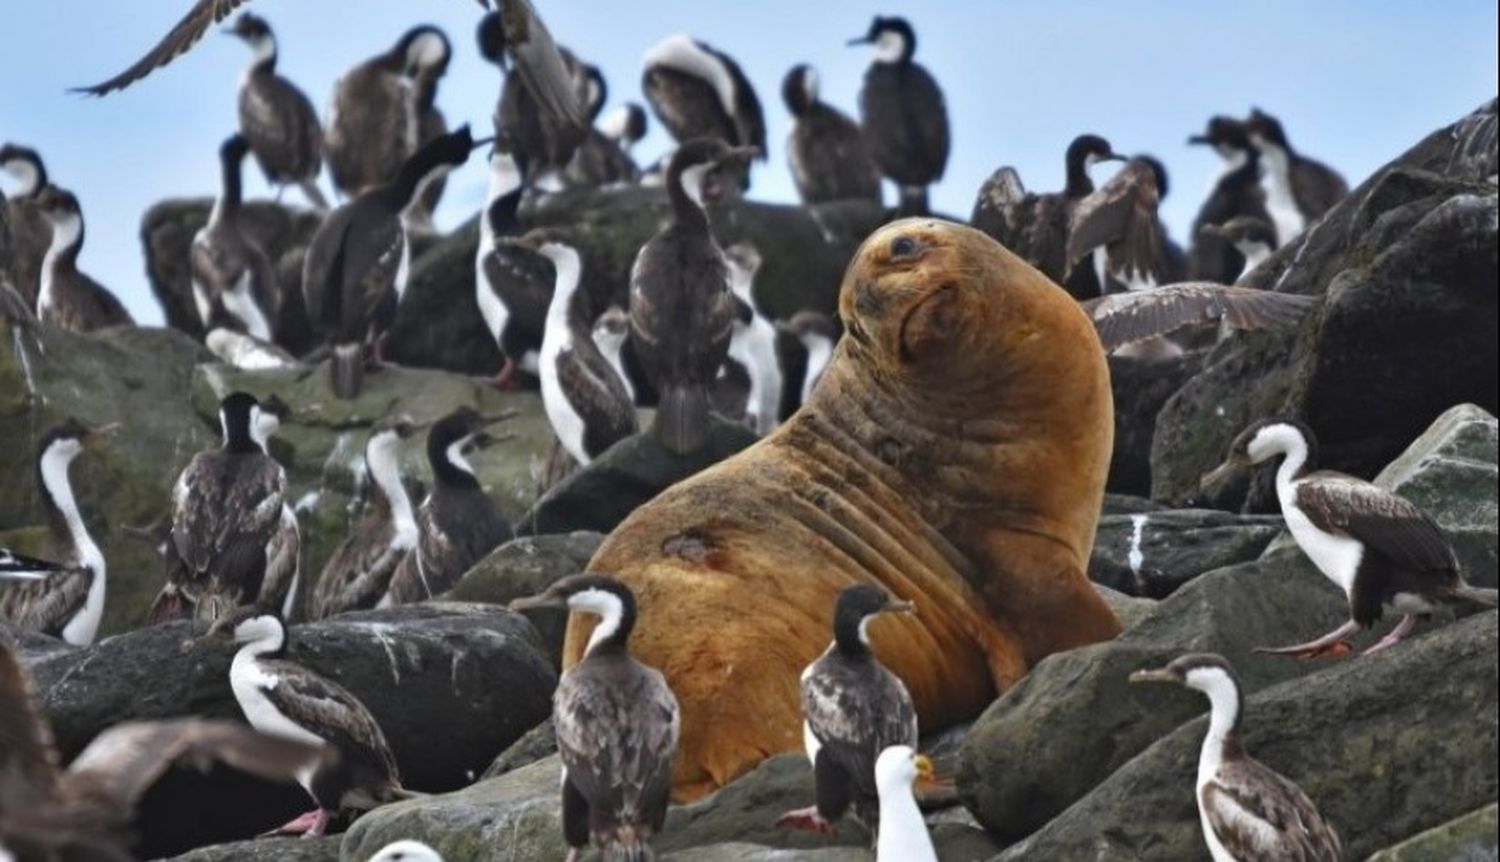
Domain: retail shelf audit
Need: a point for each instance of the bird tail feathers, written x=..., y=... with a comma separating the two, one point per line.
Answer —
x=682, y=418
x=628, y=844
x=347, y=370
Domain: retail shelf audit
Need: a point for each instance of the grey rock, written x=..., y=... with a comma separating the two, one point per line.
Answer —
x=537, y=743
x=631, y=472
x=1129, y=609
x=451, y=686
x=1382, y=750
x=1128, y=504
x=1470, y=838
x=29, y=645
x=321, y=849
x=1407, y=265
x=746, y=810
x=526, y=566
x=1153, y=553
x=1141, y=387
x=738, y=851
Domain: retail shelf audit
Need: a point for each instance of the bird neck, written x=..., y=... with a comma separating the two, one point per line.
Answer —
x=64, y=520
x=569, y=271
x=902, y=833
x=385, y=471
x=1079, y=183
x=1223, y=718
x=414, y=172
x=851, y=634
x=685, y=188
x=67, y=239
x=31, y=176
x=268, y=645
x=227, y=207
x=1254, y=253
x=1293, y=464
x=262, y=55
x=450, y=467
x=616, y=620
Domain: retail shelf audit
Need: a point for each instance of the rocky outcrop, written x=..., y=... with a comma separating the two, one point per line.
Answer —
x=1141, y=387
x=1153, y=553
x=450, y=684
x=1470, y=838
x=1382, y=750
x=324, y=849
x=1407, y=265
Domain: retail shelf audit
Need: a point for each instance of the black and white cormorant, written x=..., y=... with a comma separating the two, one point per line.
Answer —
x=625, y=125
x=752, y=344
x=358, y=573
x=853, y=708
x=1236, y=192
x=1117, y=232
x=68, y=601
x=610, y=331
x=69, y=298
x=431, y=124
x=84, y=812
x=1036, y=226
x=826, y=150
x=1386, y=554
x=234, y=283
x=1298, y=189
x=1248, y=811
x=603, y=157
x=903, y=833
x=458, y=524
x=586, y=400
x=617, y=725
x=512, y=285
x=903, y=115
x=227, y=510
x=406, y=850
x=682, y=310
x=804, y=346
x=357, y=262
x=698, y=91
x=373, y=122
x=277, y=118
x=541, y=106
x=284, y=699
x=30, y=232
x=1252, y=238
x=1131, y=318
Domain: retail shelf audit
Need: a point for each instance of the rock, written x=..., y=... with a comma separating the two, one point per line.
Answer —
x=1407, y=265
x=1129, y=609
x=450, y=684
x=29, y=645
x=629, y=473
x=1141, y=387
x=1152, y=554
x=1470, y=838
x=526, y=566
x=1450, y=472
x=1072, y=720
x=745, y=810
x=538, y=743
x=1381, y=749
x=321, y=444
x=1127, y=504
x=321, y=849
x=738, y=851
x=135, y=376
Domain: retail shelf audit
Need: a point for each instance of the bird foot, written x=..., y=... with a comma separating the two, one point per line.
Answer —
x=309, y=824
x=505, y=379
x=807, y=819
x=1306, y=652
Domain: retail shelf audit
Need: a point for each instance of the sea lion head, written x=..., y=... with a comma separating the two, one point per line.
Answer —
x=926, y=300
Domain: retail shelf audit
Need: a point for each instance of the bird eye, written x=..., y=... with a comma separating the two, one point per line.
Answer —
x=903, y=246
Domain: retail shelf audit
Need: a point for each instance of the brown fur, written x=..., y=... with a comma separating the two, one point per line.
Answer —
x=955, y=451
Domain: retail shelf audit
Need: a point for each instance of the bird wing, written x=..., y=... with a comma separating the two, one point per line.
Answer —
x=372, y=260
x=332, y=712
x=281, y=125
x=830, y=159
x=1260, y=816
x=125, y=760
x=1390, y=524
x=540, y=64
x=1121, y=214
x=855, y=713
x=323, y=271
x=29, y=568
x=226, y=508
x=359, y=571
x=282, y=560
x=176, y=43
x=26, y=747
x=46, y=605
x=1126, y=318
x=1000, y=208
x=617, y=730
x=596, y=391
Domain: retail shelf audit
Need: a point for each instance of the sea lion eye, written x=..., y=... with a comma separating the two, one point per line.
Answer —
x=903, y=246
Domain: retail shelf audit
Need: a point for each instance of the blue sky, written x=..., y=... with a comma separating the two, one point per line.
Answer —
x=1354, y=81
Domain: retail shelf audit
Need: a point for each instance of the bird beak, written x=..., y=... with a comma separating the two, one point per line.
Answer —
x=901, y=607
x=1114, y=157
x=1218, y=475
x=502, y=416
x=858, y=40
x=1211, y=230
x=484, y=439
x=925, y=772
x=482, y=142
x=484, y=4
x=1162, y=675
x=21, y=576
x=740, y=154
x=1200, y=140
x=102, y=431
x=531, y=603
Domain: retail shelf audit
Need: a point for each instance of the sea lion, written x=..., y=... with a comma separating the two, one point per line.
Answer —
x=955, y=451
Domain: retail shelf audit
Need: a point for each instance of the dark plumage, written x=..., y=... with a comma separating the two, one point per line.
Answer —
x=30, y=232
x=603, y=157
x=85, y=811
x=698, y=91
x=1236, y=193
x=513, y=285
x=1380, y=549
x=1249, y=812
x=1252, y=239
x=226, y=508
x=67, y=602
x=178, y=41
x=1116, y=230
x=540, y=109
x=853, y=708
x=902, y=113
x=1298, y=189
x=286, y=700
x=804, y=345
x=617, y=726
x=276, y=117
x=373, y=123
x=458, y=524
x=826, y=150
x=1135, y=316
x=234, y=283
x=431, y=124
x=681, y=308
x=356, y=265
x=71, y=299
